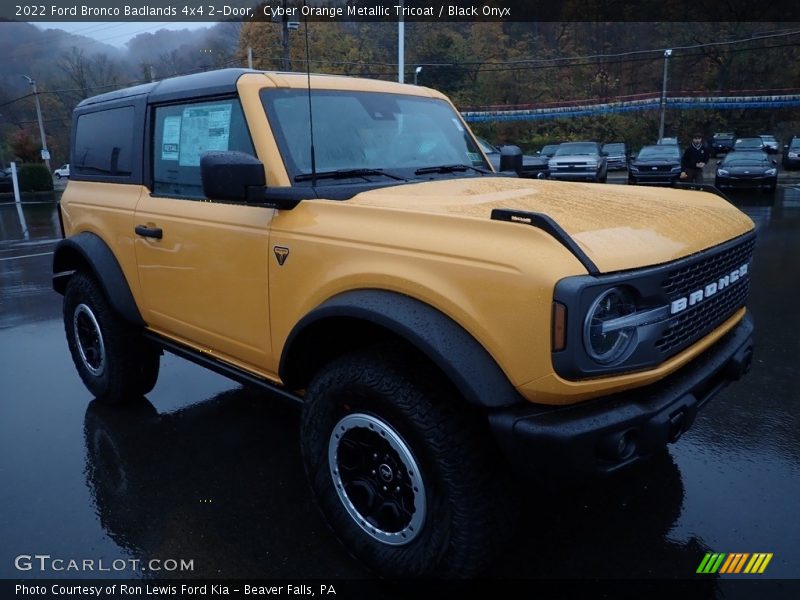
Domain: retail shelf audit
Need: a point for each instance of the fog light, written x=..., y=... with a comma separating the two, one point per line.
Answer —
x=618, y=446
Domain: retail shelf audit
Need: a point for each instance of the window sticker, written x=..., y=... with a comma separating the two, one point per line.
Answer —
x=203, y=129
x=170, y=142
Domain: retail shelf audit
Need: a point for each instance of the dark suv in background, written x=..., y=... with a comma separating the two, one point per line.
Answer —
x=616, y=155
x=655, y=164
x=791, y=153
x=721, y=143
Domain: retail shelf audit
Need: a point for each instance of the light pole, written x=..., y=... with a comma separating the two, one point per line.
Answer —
x=401, y=46
x=285, y=63
x=45, y=151
x=416, y=74
x=667, y=54
x=2, y=152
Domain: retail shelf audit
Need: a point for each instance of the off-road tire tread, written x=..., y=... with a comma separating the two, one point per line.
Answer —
x=132, y=363
x=482, y=506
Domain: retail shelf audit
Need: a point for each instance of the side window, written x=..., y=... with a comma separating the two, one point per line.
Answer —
x=104, y=143
x=183, y=133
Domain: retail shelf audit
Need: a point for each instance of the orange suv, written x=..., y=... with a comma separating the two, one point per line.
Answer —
x=344, y=243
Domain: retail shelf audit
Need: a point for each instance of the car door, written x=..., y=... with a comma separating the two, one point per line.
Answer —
x=203, y=263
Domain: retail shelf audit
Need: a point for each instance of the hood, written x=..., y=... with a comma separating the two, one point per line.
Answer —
x=656, y=161
x=618, y=227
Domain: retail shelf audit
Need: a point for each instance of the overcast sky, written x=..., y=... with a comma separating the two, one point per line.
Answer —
x=117, y=33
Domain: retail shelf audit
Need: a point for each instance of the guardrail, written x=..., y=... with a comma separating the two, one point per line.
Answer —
x=635, y=103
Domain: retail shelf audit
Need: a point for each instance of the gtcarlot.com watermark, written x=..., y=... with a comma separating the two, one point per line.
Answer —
x=45, y=563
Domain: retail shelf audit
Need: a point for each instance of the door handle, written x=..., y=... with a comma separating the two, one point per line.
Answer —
x=151, y=232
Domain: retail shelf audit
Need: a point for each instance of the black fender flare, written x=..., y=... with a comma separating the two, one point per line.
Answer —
x=462, y=359
x=88, y=251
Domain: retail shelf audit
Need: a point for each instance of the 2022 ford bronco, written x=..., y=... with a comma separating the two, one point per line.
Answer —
x=443, y=327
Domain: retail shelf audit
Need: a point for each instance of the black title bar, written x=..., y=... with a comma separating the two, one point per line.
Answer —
x=782, y=11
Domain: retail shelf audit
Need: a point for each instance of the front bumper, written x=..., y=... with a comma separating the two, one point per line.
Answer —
x=575, y=174
x=654, y=178
x=602, y=436
x=746, y=182
x=791, y=163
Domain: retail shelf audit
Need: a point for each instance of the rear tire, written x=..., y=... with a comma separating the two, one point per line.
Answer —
x=113, y=359
x=403, y=471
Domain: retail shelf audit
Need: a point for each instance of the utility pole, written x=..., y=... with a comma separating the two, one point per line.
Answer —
x=45, y=151
x=285, y=39
x=401, y=46
x=667, y=54
x=2, y=152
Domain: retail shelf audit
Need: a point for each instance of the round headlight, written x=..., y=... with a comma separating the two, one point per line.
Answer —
x=607, y=339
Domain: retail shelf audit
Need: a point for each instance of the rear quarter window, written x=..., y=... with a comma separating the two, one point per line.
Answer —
x=104, y=143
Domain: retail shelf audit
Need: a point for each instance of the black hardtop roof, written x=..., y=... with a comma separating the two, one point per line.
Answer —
x=209, y=83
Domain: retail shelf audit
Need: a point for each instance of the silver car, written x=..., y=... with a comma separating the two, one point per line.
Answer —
x=579, y=161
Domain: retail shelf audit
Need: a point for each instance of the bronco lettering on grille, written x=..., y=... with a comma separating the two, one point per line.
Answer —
x=709, y=290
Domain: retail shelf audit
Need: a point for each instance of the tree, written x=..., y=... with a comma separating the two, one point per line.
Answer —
x=24, y=146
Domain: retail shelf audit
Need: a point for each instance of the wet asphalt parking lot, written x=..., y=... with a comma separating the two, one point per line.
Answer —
x=208, y=471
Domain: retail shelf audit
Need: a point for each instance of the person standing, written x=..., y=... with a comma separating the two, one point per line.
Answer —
x=693, y=160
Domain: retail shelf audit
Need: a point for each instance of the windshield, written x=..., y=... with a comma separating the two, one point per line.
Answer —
x=659, y=153
x=616, y=148
x=577, y=149
x=749, y=143
x=367, y=130
x=549, y=150
x=745, y=158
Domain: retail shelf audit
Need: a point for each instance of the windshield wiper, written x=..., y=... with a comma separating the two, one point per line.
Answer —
x=450, y=169
x=347, y=173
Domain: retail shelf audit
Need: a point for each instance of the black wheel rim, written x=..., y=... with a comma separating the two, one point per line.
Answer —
x=89, y=340
x=377, y=479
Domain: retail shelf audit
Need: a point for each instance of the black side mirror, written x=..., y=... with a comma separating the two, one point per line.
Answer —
x=511, y=159
x=233, y=176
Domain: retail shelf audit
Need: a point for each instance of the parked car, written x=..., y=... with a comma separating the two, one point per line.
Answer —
x=579, y=161
x=791, y=156
x=771, y=145
x=749, y=144
x=657, y=164
x=617, y=155
x=742, y=169
x=721, y=143
x=668, y=141
x=533, y=167
x=62, y=171
x=548, y=150
x=6, y=184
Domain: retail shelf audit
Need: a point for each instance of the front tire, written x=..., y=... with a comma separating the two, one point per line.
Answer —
x=112, y=358
x=403, y=472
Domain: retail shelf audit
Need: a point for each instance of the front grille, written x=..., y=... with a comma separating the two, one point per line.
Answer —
x=705, y=270
x=697, y=321
x=703, y=319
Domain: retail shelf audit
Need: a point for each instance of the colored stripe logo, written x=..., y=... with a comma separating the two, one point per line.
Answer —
x=734, y=563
